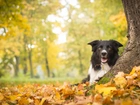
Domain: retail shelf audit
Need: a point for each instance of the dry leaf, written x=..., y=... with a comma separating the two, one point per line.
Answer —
x=1, y=97
x=120, y=81
x=104, y=89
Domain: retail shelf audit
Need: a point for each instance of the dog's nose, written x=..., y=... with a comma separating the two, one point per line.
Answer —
x=104, y=53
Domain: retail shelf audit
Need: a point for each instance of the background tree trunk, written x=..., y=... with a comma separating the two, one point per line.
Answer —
x=16, y=65
x=47, y=63
x=30, y=63
x=25, y=68
x=131, y=54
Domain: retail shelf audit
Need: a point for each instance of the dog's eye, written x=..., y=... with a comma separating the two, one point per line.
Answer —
x=100, y=47
x=109, y=47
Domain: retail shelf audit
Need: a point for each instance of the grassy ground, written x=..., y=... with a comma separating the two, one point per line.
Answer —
x=21, y=81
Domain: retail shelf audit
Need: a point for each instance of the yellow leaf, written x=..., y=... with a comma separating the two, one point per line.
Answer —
x=80, y=92
x=14, y=97
x=57, y=95
x=103, y=89
x=120, y=81
x=23, y=101
x=36, y=102
x=127, y=101
x=43, y=100
x=133, y=71
x=1, y=96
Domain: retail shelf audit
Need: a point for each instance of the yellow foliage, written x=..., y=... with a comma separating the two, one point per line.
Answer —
x=120, y=24
x=52, y=54
x=119, y=20
x=105, y=90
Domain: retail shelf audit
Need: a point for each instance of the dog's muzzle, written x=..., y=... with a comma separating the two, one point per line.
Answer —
x=104, y=56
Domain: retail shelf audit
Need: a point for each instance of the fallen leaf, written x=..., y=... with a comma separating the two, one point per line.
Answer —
x=42, y=101
x=15, y=97
x=120, y=81
x=4, y=103
x=126, y=101
x=1, y=97
x=97, y=100
x=120, y=74
x=133, y=71
x=104, y=89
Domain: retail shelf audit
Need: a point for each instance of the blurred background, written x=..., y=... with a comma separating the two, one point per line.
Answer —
x=46, y=40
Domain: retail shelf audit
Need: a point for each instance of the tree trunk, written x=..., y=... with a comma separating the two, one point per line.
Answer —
x=46, y=63
x=131, y=54
x=30, y=63
x=16, y=66
x=25, y=68
x=47, y=67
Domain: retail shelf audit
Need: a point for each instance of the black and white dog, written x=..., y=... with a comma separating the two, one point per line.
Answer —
x=105, y=55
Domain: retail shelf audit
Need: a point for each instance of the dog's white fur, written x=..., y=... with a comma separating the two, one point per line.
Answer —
x=96, y=74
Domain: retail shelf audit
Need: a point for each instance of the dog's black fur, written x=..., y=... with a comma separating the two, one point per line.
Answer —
x=105, y=51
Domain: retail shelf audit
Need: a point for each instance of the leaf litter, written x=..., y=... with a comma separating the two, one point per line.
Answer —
x=123, y=89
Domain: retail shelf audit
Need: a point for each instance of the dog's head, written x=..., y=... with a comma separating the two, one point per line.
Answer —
x=105, y=51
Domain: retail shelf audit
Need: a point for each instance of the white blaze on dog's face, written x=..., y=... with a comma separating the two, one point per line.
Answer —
x=104, y=56
x=104, y=49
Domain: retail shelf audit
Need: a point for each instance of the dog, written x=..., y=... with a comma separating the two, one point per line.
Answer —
x=105, y=55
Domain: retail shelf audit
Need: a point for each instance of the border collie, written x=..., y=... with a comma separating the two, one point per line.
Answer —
x=105, y=55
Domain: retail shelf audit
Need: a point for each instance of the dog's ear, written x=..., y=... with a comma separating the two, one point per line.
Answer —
x=93, y=44
x=116, y=43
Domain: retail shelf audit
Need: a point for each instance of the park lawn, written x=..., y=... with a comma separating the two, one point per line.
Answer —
x=21, y=81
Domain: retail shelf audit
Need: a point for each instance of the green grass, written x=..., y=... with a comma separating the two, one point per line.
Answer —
x=21, y=81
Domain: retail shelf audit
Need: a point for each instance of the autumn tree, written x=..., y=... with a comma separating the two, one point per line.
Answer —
x=13, y=24
x=99, y=19
x=20, y=44
x=41, y=35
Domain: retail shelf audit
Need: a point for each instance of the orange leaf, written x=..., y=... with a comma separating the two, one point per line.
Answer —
x=1, y=97
x=127, y=101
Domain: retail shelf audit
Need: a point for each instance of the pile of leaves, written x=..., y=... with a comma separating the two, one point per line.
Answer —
x=123, y=89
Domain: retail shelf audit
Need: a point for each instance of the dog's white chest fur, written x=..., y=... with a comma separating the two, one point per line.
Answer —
x=96, y=74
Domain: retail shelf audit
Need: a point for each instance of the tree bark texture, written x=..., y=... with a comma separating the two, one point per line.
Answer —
x=131, y=54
